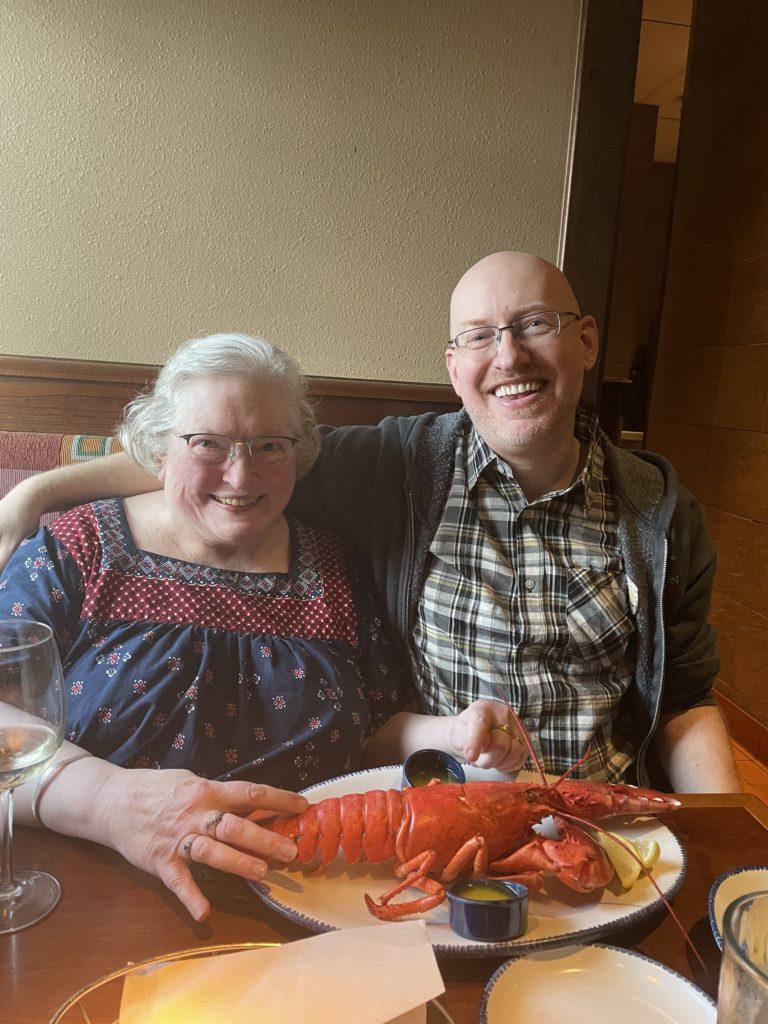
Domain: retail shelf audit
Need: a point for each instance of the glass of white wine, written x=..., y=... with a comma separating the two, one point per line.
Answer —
x=31, y=731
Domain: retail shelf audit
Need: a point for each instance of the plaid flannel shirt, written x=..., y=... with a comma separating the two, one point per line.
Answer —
x=531, y=598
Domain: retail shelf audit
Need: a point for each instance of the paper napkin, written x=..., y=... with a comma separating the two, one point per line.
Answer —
x=367, y=975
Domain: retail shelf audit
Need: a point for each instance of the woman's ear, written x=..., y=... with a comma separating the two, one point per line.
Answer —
x=160, y=468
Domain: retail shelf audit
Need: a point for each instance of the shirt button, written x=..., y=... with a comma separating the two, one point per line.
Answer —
x=528, y=724
x=530, y=585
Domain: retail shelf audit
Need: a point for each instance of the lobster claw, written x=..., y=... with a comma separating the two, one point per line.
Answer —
x=574, y=858
x=595, y=800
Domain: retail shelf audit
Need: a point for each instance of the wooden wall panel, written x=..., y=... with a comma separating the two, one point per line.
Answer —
x=87, y=397
x=611, y=35
x=709, y=410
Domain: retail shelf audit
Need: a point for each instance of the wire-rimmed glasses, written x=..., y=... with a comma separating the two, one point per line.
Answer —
x=31, y=731
x=533, y=328
x=263, y=450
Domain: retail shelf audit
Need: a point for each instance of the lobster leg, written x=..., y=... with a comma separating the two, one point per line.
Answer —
x=416, y=872
x=386, y=911
x=476, y=850
x=574, y=858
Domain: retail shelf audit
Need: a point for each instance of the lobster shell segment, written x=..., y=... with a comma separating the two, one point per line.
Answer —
x=359, y=825
x=443, y=818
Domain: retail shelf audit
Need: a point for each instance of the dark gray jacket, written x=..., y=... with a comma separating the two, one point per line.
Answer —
x=384, y=489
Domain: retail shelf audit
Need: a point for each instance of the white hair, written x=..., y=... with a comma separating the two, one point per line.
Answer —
x=150, y=418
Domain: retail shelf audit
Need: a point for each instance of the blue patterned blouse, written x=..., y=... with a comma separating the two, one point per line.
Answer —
x=274, y=677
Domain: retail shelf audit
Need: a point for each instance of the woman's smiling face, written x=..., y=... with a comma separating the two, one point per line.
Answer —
x=229, y=507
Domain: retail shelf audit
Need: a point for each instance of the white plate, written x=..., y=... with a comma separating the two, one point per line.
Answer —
x=728, y=887
x=592, y=985
x=334, y=898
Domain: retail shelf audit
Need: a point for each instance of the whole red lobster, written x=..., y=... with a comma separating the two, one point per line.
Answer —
x=437, y=831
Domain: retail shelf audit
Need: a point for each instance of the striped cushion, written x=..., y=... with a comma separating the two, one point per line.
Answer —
x=82, y=447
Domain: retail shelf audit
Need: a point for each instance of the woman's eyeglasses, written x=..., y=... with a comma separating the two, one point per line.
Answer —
x=217, y=450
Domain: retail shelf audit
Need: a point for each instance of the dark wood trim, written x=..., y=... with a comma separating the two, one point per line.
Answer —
x=42, y=367
x=398, y=391
x=87, y=397
x=610, y=40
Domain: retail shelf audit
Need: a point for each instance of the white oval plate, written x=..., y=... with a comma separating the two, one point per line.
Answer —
x=556, y=916
x=599, y=984
x=728, y=887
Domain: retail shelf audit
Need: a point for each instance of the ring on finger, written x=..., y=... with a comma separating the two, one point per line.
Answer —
x=504, y=727
x=212, y=823
x=186, y=848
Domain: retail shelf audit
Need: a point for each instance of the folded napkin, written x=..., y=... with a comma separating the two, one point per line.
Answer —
x=368, y=975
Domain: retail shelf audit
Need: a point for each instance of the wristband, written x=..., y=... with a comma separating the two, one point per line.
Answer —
x=48, y=775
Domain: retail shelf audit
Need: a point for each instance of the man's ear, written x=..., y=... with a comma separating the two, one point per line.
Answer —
x=450, y=363
x=160, y=468
x=589, y=341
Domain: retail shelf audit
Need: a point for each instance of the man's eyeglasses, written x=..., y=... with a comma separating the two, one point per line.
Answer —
x=534, y=328
x=217, y=450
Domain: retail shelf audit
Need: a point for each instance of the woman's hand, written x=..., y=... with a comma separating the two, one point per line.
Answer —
x=486, y=735
x=19, y=516
x=163, y=821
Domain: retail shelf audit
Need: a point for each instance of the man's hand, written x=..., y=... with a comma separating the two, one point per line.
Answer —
x=486, y=735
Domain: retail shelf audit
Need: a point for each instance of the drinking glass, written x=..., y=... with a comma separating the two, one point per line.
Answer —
x=743, y=993
x=31, y=731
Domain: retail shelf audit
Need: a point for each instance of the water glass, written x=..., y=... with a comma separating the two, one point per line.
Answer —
x=743, y=993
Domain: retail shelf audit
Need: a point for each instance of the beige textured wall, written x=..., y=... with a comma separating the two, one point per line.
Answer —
x=318, y=172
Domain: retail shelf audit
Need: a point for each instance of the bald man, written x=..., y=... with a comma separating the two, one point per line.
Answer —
x=517, y=551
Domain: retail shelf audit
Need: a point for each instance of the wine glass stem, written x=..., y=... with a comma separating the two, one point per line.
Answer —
x=8, y=888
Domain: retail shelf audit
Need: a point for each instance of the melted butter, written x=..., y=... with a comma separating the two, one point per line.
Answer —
x=423, y=776
x=482, y=891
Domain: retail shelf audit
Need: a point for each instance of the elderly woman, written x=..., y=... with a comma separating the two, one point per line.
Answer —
x=205, y=633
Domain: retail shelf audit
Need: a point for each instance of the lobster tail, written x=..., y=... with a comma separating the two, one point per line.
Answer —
x=357, y=825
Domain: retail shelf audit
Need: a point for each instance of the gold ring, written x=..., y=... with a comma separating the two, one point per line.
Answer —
x=503, y=728
x=213, y=823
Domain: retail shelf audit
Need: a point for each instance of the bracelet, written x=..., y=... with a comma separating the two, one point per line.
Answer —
x=48, y=775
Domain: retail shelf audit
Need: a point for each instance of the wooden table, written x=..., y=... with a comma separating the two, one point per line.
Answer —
x=111, y=913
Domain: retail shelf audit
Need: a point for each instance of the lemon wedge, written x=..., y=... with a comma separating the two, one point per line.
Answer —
x=628, y=869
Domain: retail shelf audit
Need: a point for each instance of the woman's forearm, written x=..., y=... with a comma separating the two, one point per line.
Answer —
x=69, y=799
x=164, y=820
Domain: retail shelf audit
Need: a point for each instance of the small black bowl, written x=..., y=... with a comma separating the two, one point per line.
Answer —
x=424, y=765
x=496, y=919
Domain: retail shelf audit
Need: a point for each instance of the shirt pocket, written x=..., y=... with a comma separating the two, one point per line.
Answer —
x=599, y=620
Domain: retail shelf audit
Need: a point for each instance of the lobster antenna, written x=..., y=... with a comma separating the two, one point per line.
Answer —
x=646, y=871
x=534, y=756
x=573, y=767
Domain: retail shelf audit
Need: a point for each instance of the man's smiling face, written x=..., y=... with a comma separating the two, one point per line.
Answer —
x=521, y=396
